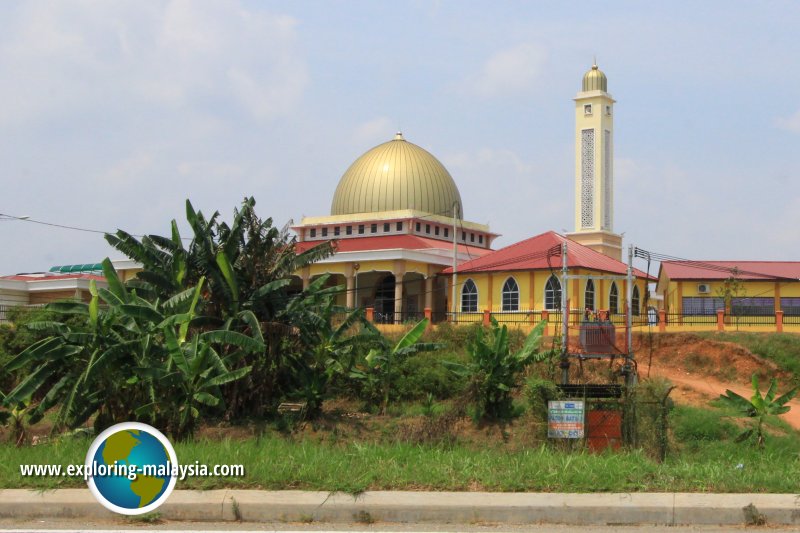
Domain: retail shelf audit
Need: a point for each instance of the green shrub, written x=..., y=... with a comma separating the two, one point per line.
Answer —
x=423, y=374
x=538, y=392
x=701, y=424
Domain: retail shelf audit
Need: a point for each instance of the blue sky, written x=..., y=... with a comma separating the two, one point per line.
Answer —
x=115, y=112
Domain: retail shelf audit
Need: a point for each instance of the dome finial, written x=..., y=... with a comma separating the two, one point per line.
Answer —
x=399, y=136
x=594, y=62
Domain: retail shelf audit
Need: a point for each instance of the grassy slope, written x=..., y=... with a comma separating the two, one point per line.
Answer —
x=705, y=458
x=781, y=348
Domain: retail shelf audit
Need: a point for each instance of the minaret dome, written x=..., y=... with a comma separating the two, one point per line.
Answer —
x=595, y=80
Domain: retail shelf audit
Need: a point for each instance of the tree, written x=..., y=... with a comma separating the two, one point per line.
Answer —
x=758, y=408
x=730, y=289
x=248, y=266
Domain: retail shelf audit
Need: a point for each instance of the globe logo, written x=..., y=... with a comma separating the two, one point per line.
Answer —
x=132, y=468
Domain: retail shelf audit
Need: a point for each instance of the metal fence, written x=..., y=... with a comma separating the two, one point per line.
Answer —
x=750, y=320
x=5, y=310
x=465, y=318
x=680, y=318
x=792, y=320
x=398, y=317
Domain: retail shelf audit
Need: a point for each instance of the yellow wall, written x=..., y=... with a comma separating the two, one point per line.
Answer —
x=494, y=301
x=674, y=291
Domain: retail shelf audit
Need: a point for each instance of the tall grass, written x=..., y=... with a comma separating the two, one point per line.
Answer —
x=274, y=462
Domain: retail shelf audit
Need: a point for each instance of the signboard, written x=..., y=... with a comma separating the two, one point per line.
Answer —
x=565, y=419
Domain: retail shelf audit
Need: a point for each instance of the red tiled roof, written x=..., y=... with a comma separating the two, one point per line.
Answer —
x=51, y=277
x=720, y=270
x=531, y=254
x=392, y=242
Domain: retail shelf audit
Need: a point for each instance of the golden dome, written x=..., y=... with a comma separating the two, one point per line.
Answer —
x=595, y=80
x=396, y=175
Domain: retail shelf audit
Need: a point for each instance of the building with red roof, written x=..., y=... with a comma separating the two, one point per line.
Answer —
x=44, y=287
x=526, y=277
x=754, y=288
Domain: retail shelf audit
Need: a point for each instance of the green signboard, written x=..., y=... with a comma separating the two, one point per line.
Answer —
x=565, y=419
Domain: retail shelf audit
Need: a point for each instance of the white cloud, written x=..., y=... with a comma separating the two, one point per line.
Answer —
x=509, y=71
x=373, y=131
x=790, y=123
x=72, y=58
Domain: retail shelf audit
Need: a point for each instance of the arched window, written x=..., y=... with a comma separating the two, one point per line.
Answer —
x=613, y=299
x=552, y=294
x=469, y=297
x=510, y=295
x=588, y=296
x=635, y=305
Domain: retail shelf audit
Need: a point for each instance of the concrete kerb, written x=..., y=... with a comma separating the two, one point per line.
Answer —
x=441, y=507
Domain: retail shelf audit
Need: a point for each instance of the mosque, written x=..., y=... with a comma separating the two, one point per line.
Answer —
x=404, y=248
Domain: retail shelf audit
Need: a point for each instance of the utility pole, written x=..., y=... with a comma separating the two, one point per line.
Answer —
x=564, y=365
x=630, y=378
x=455, y=260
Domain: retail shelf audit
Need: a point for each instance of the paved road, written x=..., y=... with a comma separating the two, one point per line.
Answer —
x=50, y=526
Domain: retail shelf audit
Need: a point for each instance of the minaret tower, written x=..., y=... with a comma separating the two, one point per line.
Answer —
x=594, y=167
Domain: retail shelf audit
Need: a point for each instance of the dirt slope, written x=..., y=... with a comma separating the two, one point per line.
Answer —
x=702, y=369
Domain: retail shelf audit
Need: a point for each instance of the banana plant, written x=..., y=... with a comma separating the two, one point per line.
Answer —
x=128, y=359
x=494, y=370
x=758, y=408
x=377, y=370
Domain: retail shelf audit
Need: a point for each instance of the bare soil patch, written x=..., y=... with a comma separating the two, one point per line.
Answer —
x=702, y=369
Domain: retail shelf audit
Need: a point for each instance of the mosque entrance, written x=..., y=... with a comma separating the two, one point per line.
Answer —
x=384, y=300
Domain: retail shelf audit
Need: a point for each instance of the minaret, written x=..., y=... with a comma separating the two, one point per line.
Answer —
x=594, y=167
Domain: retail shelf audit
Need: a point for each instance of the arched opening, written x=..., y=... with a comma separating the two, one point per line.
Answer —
x=552, y=294
x=384, y=300
x=613, y=299
x=510, y=295
x=588, y=296
x=469, y=297
x=635, y=301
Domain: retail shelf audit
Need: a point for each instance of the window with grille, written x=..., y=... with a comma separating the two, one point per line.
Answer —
x=588, y=295
x=701, y=305
x=790, y=306
x=386, y=227
x=469, y=297
x=313, y=232
x=510, y=295
x=613, y=299
x=635, y=301
x=752, y=306
x=608, y=181
x=587, y=178
x=399, y=226
x=552, y=294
